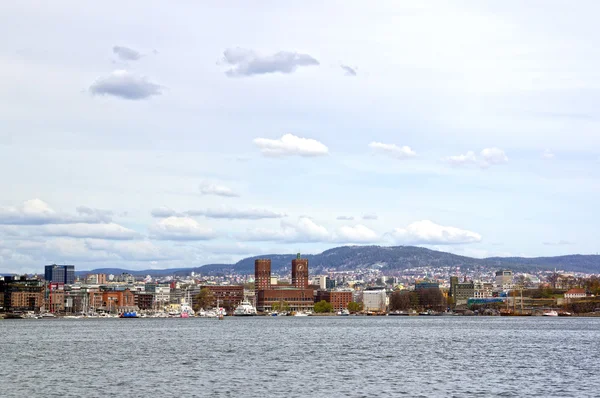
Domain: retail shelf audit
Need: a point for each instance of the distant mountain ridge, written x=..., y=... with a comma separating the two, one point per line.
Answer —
x=391, y=259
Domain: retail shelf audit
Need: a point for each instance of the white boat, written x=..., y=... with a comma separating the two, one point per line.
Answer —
x=300, y=313
x=244, y=309
x=48, y=315
x=550, y=313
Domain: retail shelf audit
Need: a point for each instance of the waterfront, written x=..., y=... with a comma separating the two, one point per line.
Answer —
x=339, y=356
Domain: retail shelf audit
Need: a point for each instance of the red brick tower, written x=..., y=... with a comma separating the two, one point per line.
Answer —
x=262, y=274
x=300, y=272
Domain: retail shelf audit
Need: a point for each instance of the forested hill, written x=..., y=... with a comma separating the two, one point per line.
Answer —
x=390, y=259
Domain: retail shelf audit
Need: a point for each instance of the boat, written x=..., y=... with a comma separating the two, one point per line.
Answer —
x=13, y=315
x=565, y=313
x=244, y=309
x=129, y=314
x=48, y=315
x=550, y=313
x=343, y=313
x=398, y=313
x=300, y=313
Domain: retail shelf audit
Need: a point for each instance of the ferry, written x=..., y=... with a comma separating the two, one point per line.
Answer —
x=245, y=309
x=550, y=313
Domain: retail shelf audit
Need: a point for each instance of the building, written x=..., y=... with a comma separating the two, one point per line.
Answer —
x=113, y=300
x=329, y=283
x=60, y=274
x=298, y=296
x=144, y=300
x=300, y=272
x=226, y=296
x=504, y=279
x=262, y=274
x=21, y=294
x=338, y=299
x=374, y=300
x=483, y=289
x=96, y=279
x=453, y=283
x=575, y=294
x=296, y=299
x=463, y=292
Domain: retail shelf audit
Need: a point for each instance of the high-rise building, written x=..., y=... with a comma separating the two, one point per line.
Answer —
x=262, y=274
x=300, y=272
x=60, y=274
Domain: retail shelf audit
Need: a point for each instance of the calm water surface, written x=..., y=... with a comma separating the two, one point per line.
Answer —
x=287, y=356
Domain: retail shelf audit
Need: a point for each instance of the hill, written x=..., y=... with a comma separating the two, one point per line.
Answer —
x=392, y=259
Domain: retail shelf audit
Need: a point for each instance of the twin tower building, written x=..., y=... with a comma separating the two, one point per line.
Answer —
x=296, y=297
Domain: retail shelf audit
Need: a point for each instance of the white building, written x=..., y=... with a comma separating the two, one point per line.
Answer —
x=374, y=300
x=574, y=294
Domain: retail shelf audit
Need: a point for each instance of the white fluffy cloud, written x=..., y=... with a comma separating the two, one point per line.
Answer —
x=393, y=150
x=289, y=145
x=181, y=228
x=356, y=234
x=428, y=232
x=246, y=62
x=38, y=212
x=370, y=217
x=492, y=156
x=126, y=85
x=487, y=157
x=98, y=231
x=218, y=190
x=126, y=53
x=460, y=160
x=345, y=218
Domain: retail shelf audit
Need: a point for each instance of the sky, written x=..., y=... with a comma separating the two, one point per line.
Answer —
x=152, y=134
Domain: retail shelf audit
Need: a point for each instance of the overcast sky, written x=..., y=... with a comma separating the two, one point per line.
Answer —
x=153, y=134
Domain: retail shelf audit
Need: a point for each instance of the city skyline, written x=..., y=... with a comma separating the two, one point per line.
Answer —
x=176, y=136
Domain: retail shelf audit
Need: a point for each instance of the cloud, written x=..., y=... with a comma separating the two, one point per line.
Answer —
x=345, y=218
x=181, y=228
x=357, y=234
x=304, y=230
x=163, y=212
x=126, y=53
x=487, y=157
x=492, y=156
x=110, y=231
x=229, y=213
x=370, y=217
x=290, y=145
x=38, y=212
x=246, y=62
x=548, y=154
x=393, y=150
x=348, y=71
x=123, y=84
x=207, y=188
x=460, y=160
x=100, y=214
x=427, y=232
x=558, y=243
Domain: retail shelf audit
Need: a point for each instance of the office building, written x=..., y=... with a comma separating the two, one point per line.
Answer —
x=60, y=274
